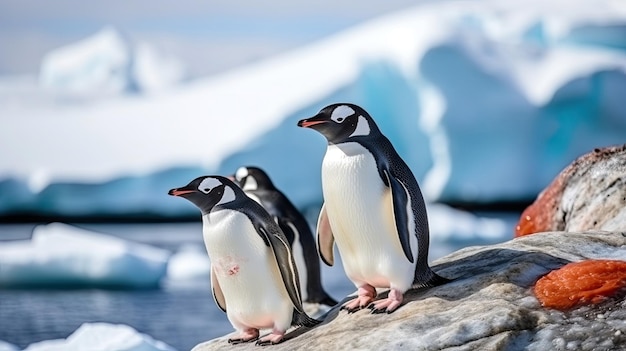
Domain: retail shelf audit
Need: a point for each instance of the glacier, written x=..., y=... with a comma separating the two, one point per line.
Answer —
x=486, y=101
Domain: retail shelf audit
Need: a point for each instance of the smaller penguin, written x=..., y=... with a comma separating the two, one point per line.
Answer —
x=259, y=187
x=253, y=274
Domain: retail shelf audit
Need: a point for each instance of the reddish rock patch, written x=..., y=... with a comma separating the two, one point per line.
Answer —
x=581, y=283
x=549, y=213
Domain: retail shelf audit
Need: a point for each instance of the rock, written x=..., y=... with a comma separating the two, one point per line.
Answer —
x=590, y=194
x=489, y=305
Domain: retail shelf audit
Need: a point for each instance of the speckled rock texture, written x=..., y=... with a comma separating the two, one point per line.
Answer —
x=590, y=194
x=489, y=305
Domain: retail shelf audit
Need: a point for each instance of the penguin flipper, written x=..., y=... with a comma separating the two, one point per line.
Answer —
x=218, y=295
x=325, y=238
x=286, y=265
x=399, y=199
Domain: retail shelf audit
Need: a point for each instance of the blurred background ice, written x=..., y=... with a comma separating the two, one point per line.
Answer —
x=104, y=106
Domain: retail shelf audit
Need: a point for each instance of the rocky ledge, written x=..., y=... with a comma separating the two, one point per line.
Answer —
x=490, y=305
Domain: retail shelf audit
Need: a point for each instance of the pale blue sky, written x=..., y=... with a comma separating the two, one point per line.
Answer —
x=208, y=36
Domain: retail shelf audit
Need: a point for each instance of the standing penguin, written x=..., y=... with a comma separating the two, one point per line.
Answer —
x=373, y=208
x=259, y=187
x=253, y=275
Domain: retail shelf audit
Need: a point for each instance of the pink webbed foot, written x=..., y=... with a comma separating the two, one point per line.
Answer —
x=271, y=339
x=365, y=296
x=389, y=304
x=247, y=335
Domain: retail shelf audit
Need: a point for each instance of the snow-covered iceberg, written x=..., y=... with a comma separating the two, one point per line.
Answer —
x=107, y=63
x=102, y=337
x=66, y=256
x=485, y=100
x=189, y=264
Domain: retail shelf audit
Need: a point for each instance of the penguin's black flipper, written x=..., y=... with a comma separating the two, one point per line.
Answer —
x=399, y=198
x=286, y=265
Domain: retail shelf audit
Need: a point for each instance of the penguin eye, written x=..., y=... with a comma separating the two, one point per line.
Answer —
x=206, y=190
x=340, y=119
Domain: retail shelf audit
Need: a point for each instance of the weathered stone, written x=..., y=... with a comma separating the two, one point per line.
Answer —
x=590, y=194
x=489, y=305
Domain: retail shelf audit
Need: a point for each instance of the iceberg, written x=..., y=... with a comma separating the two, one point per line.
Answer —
x=189, y=263
x=60, y=255
x=107, y=63
x=486, y=101
x=102, y=337
x=5, y=346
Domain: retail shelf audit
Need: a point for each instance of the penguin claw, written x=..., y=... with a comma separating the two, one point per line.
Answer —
x=274, y=338
x=240, y=341
x=245, y=336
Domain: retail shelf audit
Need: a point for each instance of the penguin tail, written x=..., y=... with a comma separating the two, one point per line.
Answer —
x=322, y=299
x=301, y=319
x=433, y=280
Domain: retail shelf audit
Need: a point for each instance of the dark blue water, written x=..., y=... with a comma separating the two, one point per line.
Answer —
x=181, y=315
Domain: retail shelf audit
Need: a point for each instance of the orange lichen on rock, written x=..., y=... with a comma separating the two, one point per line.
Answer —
x=581, y=283
x=538, y=217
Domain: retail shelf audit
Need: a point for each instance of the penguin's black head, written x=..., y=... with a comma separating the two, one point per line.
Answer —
x=207, y=192
x=253, y=178
x=340, y=122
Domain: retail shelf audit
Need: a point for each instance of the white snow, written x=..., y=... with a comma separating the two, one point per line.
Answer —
x=102, y=337
x=61, y=255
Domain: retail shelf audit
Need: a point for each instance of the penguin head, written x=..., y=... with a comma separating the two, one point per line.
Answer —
x=341, y=122
x=253, y=178
x=207, y=192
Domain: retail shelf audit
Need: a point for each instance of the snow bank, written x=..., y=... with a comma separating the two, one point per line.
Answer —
x=102, y=337
x=105, y=64
x=486, y=101
x=63, y=255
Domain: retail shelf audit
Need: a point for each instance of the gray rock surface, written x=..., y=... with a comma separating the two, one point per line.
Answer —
x=489, y=306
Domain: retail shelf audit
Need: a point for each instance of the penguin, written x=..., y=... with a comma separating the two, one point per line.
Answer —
x=254, y=278
x=259, y=187
x=373, y=210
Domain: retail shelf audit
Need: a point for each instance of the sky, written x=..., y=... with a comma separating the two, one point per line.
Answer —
x=207, y=36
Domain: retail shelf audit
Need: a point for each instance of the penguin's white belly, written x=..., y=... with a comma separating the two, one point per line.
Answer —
x=246, y=271
x=360, y=212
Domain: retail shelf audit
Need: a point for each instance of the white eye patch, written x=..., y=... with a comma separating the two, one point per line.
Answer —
x=207, y=184
x=341, y=113
x=362, y=127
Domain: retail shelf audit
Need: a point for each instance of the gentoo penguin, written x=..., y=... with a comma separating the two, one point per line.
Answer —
x=259, y=187
x=253, y=275
x=373, y=209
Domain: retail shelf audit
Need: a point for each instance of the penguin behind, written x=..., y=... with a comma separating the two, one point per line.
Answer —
x=254, y=278
x=373, y=210
x=258, y=186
